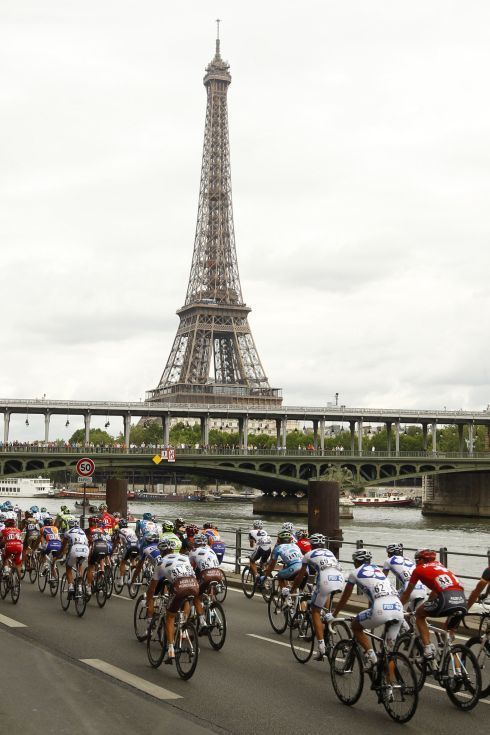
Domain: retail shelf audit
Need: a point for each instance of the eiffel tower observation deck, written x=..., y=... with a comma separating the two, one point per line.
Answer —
x=214, y=359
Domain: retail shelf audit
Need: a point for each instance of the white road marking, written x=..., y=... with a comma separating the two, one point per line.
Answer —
x=135, y=681
x=122, y=597
x=11, y=623
x=440, y=689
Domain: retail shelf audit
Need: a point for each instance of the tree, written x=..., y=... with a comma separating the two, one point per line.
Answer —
x=96, y=436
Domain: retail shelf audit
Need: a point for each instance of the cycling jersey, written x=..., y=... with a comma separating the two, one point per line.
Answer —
x=203, y=558
x=329, y=578
x=260, y=538
x=173, y=566
x=109, y=522
x=11, y=542
x=372, y=582
x=127, y=537
x=436, y=577
x=291, y=557
x=304, y=545
x=385, y=604
x=62, y=520
x=75, y=537
x=176, y=542
x=144, y=528
x=50, y=539
x=402, y=568
x=320, y=560
x=31, y=528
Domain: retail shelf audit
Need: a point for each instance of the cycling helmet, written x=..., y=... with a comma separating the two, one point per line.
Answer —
x=151, y=538
x=34, y=509
x=179, y=522
x=64, y=509
x=192, y=530
x=317, y=539
x=72, y=522
x=7, y=505
x=425, y=555
x=166, y=545
x=9, y=523
x=116, y=514
x=288, y=526
x=147, y=516
x=200, y=539
x=207, y=525
x=48, y=521
x=123, y=523
x=394, y=549
x=167, y=526
x=2, y=518
x=102, y=507
x=363, y=556
x=302, y=534
x=284, y=537
x=44, y=510
x=258, y=524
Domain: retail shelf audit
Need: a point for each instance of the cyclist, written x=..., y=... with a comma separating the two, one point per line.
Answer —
x=215, y=540
x=148, y=549
x=446, y=598
x=43, y=514
x=30, y=526
x=108, y=520
x=62, y=519
x=402, y=567
x=480, y=592
x=329, y=580
x=99, y=550
x=179, y=528
x=302, y=541
x=261, y=543
x=205, y=563
x=188, y=542
x=11, y=543
x=49, y=541
x=145, y=525
x=2, y=521
x=385, y=606
x=289, y=554
x=288, y=526
x=35, y=513
x=75, y=544
x=176, y=569
x=168, y=532
x=126, y=538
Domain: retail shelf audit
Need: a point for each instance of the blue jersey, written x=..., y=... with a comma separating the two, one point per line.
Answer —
x=144, y=527
x=289, y=554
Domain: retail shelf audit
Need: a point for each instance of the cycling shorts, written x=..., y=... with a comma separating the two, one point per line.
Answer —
x=182, y=587
x=29, y=540
x=447, y=602
x=13, y=548
x=290, y=571
x=130, y=552
x=52, y=547
x=77, y=552
x=207, y=576
x=219, y=549
x=260, y=555
x=386, y=609
x=327, y=583
x=98, y=552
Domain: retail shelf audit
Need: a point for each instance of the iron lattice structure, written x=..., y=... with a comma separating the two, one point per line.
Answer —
x=213, y=358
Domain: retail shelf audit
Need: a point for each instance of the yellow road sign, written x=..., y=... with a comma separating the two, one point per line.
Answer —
x=157, y=459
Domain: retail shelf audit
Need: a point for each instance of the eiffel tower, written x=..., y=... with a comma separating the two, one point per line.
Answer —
x=213, y=359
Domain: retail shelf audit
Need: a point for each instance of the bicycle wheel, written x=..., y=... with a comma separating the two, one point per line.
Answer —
x=15, y=586
x=248, y=583
x=24, y=568
x=267, y=589
x=216, y=620
x=42, y=577
x=278, y=612
x=33, y=569
x=462, y=677
x=119, y=581
x=139, y=618
x=186, y=650
x=54, y=581
x=481, y=650
x=302, y=636
x=134, y=587
x=64, y=595
x=155, y=641
x=109, y=579
x=414, y=649
x=347, y=671
x=80, y=597
x=400, y=696
x=222, y=588
x=100, y=584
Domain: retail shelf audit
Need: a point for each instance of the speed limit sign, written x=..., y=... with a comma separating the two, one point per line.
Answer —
x=85, y=467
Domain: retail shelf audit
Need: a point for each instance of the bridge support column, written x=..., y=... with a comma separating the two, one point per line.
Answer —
x=388, y=437
x=397, y=438
x=322, y=435
x=278, y=433
x=6, y=427
x=323, y=511
x=127, y=429
x=284, y=432
x=117, y=496
x=166, y=429
x=424, y=437
x=470, y=439
x=352, y=426
x=46, y=427
x=434, y=436
x=461, y=438
x=315, y=434
x=86, y=418
x=359, y=437
x=204, y=431
x=243, y=433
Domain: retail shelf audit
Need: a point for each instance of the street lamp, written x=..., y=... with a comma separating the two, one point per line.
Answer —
x=336, y=399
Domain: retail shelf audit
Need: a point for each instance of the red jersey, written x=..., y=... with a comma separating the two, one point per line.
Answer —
x=304, y=545
x=10, y=534
x=108, y=521
x=436, y=577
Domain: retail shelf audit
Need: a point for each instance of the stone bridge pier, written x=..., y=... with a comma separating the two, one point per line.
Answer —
x=460, y=494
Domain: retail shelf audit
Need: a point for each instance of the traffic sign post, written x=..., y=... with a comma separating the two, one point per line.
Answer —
x=85, y=469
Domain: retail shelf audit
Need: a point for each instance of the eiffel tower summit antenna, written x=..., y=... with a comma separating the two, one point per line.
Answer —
x=213, y=359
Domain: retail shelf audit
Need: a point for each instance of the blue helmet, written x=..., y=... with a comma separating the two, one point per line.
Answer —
x=147, y=516
x=34, y=509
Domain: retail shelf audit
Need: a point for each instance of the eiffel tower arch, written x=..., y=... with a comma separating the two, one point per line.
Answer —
x=214, y=359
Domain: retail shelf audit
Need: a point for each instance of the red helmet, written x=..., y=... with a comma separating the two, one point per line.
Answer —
x=425, y=556
x=9, y=523
x=192, y=530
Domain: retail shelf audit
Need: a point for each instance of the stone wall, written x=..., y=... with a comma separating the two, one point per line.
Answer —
x=460, y=494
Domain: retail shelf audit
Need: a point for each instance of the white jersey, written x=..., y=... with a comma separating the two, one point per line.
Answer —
x=321, y=560
x=402, y=568
x=372, y=582
x=128, y=537
x=76, y=537
x=10, y=514
x=203, y=557
x=261, y=538
x=172, y=567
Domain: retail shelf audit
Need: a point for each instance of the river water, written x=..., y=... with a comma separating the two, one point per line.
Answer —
x=373, y=525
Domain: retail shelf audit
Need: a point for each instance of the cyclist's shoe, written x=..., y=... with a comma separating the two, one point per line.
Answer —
x=71, y=591
x=170, y=657
x=388, y=693
x=370, y=660
x=319, y=655
x=429, y=652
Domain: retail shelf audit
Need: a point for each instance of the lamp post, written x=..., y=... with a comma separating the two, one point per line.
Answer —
x=336, y=399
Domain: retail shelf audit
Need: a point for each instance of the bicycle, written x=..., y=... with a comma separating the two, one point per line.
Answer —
x=30, y=565
x=48, y=573
x=125, y=579
x=143, y=579
x=10, y=580
x=185, y=641
x=479, y=645
x=140, y=613
x=78, y=594
x=455, y=667
x=282, y=609
x=99, y=584
x=251, y=584
x=302, y=634
x=222, y=588
x=215, y=618
x=392, y=677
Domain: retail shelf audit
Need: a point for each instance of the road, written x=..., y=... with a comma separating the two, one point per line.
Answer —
x=252, y=685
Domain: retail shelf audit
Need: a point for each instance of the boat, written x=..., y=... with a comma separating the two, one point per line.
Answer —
x=25, y=487
x=236, y=497
x=383, y=501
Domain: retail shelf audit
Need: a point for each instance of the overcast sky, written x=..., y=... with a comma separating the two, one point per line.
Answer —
x=361, y=181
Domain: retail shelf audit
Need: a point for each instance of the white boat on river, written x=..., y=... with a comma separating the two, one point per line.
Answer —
x=25, y=487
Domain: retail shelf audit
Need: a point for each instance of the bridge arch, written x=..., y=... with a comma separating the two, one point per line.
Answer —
x=368, y=471
x=387, y=470
x=288, y=469
x=307, y=471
